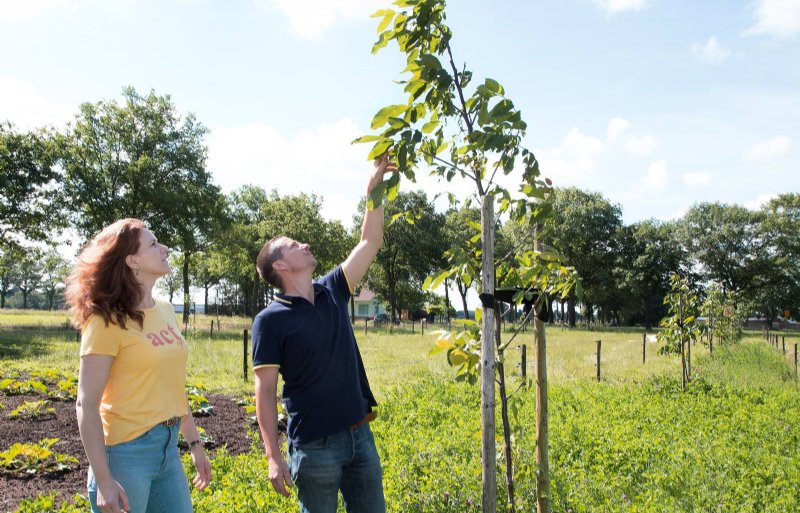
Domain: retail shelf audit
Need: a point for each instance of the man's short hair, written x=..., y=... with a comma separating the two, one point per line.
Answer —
x=270, y=253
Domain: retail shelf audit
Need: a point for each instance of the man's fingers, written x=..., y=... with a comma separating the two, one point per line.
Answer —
x=277, y=484
x=287, y=477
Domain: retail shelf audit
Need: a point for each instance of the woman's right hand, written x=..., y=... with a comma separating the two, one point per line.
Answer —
x=111, y=498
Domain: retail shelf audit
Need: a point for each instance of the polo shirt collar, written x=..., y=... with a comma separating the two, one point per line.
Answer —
x=297, y=300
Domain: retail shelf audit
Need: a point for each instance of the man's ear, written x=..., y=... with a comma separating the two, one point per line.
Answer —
x=279, y=265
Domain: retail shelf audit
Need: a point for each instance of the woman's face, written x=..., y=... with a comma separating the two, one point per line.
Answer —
x=151, y=258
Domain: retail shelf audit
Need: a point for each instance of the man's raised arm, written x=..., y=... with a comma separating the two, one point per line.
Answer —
x=356, y=265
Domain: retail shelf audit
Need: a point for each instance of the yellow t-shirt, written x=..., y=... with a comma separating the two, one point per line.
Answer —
x=146, y=384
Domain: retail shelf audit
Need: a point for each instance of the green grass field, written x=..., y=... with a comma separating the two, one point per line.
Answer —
x=398, y=358
x=632, y=443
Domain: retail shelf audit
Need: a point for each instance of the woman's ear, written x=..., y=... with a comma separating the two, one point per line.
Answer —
x=130, y=260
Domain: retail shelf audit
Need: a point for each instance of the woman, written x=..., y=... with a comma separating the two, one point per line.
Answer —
x=131, y=387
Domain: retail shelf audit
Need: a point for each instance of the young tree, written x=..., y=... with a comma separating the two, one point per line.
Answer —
x=471, y=137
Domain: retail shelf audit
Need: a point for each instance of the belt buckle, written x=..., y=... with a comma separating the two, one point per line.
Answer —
x=173, y=421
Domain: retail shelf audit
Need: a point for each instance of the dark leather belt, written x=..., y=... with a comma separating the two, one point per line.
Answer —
x=369, y=417
x=174, y=421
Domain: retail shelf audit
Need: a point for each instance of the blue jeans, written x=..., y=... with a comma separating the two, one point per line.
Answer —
x=348, y=462
x=149, y=470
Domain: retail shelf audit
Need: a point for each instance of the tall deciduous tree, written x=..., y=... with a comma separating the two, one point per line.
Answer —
x=141, y=158
x=647, y=253
x=29, y=273
x=54, y=272
x=409, y=252
x=583, y=229
x=257, y=217
x=726, y=240
x=781, y=232
x=30, y=195
x=9, y=268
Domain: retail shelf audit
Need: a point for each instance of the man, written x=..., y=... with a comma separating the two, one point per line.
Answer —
x=305, y=335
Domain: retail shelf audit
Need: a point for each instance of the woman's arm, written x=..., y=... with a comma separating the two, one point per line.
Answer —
x=198, y=452
x=92, y=380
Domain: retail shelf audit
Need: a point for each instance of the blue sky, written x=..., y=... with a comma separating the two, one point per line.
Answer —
x=656, y=104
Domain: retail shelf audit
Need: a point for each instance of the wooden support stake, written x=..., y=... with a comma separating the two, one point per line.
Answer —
x=644, y=347
x=212, y=329
x=599, y=343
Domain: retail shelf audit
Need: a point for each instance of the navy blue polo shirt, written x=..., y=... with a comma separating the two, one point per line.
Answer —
x=325, y=386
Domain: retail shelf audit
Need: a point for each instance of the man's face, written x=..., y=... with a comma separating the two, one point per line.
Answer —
x=296, y=256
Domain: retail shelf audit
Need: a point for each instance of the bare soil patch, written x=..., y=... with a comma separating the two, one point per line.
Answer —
x=228, y=427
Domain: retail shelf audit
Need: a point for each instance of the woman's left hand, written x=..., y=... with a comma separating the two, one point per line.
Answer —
x=203, y=467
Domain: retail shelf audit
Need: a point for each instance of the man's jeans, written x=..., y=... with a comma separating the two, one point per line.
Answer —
x=346, y=461
x=149, y=470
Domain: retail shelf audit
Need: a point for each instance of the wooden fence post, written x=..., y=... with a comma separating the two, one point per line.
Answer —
x=212, y=329
x=644, y=346
x=78, y=336
x=365, y=325
x=598, y=360
x=244, y=354
x=783, y=344
x=795, y=360
x=523, y=362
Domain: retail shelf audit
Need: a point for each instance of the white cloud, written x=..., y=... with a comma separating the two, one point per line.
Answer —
x=769, y=149
x=696, y=180
x=759, y=201
x=26, y=108
x=776, y=18
x=15, y=10
x=641, y=145
x=320, y=161
x=656, y=178
x=573, y=160
x=616, y=6
x=616, y=127
x=309, y=19
x=711, y=52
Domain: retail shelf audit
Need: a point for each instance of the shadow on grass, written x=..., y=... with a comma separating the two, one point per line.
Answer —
x=24, y=344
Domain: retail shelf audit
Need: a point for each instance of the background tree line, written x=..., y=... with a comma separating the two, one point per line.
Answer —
x=139, y=157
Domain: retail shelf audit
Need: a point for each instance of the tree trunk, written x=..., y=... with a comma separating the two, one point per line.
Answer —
x=501, y=381
x=488, y=448
x=186, y=297
x=542, y=413
x=205, y=299
x=571, y=309
x=447, y=301
x=462, y=291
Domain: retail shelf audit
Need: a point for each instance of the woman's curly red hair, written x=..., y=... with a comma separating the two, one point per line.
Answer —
x=101, y=282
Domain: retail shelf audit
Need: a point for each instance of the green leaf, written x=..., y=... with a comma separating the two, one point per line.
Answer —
x=494, y=86
x=429, y=61
x=385, y=113
x=375, y=198
x=380, y=148
x=430, y=126
x=366, y=139
x=387, y=18
x=502, y=108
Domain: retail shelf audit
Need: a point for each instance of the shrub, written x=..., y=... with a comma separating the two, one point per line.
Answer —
x=29, y=459
x=48, y=503
x=32, y=410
